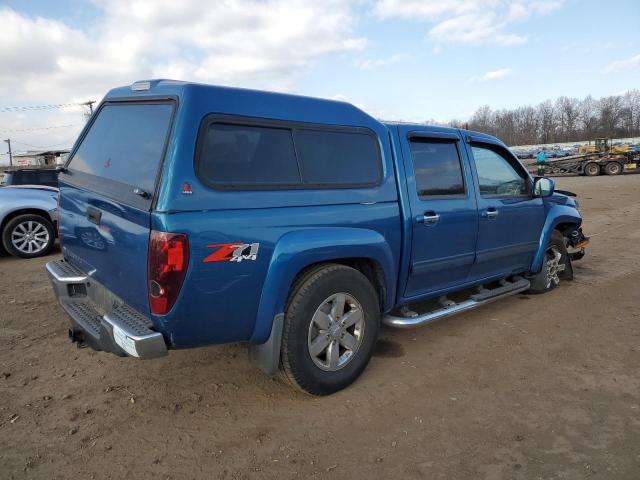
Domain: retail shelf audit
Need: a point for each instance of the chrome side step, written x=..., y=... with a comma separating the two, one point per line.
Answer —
x=483, y=297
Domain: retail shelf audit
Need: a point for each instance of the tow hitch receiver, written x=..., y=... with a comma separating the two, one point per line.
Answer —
x=77, y=337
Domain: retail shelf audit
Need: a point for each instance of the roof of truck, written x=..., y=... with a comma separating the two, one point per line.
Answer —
x=420, y=126
x=264, y=104
x=244, y=101
x=435, y=128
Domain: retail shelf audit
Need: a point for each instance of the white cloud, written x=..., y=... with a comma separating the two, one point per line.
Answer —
x=497, y=74
x=371, y=63
x=251, y=43
x=492, y=75
x=468, y=22
x=624, y=65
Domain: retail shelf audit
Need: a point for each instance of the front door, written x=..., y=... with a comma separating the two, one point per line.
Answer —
x=443, y=207
x=510, y=217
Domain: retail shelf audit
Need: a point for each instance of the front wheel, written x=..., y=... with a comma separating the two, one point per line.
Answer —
x=330, y=329
x=556, y=266
x=28, y=236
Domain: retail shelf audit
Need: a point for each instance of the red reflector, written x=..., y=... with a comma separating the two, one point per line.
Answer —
x=168, y=259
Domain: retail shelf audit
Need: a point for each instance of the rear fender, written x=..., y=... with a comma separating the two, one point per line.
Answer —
x=556, y=215
x=299, y=249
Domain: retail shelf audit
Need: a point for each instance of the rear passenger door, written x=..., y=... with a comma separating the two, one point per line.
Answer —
x=510, y=217
x=443, y=210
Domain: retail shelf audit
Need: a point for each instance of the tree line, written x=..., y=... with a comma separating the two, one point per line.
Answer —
x=563, y=120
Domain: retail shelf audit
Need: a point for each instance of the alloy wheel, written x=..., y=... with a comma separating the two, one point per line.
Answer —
x=30, y=237
x=336, y=332
x=553, y=266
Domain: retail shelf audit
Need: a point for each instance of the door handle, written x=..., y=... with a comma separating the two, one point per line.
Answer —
x=491, y=213
x=430, y=218
x=94, y=215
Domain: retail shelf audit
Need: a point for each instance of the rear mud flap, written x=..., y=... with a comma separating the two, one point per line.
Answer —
x=266, y=356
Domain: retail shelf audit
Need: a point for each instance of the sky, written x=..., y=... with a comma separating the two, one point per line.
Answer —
x=412, y=60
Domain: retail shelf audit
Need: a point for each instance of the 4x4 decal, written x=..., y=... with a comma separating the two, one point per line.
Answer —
x=232, y=252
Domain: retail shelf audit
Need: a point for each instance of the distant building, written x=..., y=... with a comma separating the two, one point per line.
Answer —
x=39, y=158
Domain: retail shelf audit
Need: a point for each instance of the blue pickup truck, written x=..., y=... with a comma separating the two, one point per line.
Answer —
x=192, y=215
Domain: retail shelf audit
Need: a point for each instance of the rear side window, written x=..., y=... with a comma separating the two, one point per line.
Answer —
x=248, y=155
x=280, y=155
x=125, y=144
x=437, y=167
x=337, y=157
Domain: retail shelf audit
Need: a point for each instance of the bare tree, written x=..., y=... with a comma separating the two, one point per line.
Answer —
x=565, y=120
x=483, y=120
x=567, y=111
x=610, y=112
x=546, y=119
x=631, y=114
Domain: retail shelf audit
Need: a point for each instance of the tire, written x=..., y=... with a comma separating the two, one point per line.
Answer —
x=592, y=169
x=556, y=266
x=28, y=236
x=613, y=168
x=320, y=355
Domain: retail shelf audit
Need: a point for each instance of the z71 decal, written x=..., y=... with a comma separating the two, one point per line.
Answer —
x=232, y=252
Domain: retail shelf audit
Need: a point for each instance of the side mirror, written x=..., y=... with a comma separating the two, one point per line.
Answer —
x=543, y=187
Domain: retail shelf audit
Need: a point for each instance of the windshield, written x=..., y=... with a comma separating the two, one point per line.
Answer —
x=125, y=144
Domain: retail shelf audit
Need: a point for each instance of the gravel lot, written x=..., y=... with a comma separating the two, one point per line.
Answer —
x=530, y=387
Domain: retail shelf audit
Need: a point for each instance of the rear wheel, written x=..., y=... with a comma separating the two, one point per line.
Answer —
x=556, y=266
x=591, y=169
x=613, y=168
x=28, y=236
x=330, y=330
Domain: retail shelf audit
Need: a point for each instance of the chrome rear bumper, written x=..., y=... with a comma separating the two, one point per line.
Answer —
x=109, y=324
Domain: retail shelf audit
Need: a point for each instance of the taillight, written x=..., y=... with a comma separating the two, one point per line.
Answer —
x=167, y=262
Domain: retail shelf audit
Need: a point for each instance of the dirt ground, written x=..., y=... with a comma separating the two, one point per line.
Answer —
x=532, y=387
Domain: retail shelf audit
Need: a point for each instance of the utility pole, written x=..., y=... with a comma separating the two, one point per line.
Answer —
x=8, y=140
x=90, y=105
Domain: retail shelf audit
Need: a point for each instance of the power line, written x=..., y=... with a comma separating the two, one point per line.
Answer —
x=42, y=128
x=24, y=108
x=66, y=142
x=27, y=108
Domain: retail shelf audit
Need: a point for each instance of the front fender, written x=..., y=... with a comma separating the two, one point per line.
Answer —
x=556, y=215
x=297, y=250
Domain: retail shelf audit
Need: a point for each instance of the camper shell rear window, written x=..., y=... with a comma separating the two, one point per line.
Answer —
x=122, y=151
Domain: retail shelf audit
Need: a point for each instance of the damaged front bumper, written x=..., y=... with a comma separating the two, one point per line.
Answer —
x=99, y=319
x=576, y=243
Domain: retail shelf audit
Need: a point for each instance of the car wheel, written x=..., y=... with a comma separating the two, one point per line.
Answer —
x=28, y=236
x=556, y=266
x=330, y=329
x=592, y=169
x=613, y=168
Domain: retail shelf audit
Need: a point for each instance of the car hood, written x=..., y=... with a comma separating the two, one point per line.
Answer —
x=563, y=199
